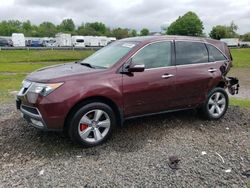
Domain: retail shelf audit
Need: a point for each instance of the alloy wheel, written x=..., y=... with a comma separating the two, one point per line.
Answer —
x=94, y=126
x=216, y=104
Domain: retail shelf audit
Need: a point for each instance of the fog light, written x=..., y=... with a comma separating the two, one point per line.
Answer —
x=36, y=122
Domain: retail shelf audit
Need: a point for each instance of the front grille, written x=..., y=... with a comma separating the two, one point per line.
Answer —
x=30, y=110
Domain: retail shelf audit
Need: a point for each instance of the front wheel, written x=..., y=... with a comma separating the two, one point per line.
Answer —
x=92, y=124
x=216, y=104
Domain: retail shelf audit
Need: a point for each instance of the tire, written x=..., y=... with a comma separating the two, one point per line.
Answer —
x=215, y=105
x=92, y=124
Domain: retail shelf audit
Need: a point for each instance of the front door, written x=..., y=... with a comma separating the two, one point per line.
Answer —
x=153, y=90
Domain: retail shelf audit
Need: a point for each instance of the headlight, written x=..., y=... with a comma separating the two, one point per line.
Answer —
x=44, y=89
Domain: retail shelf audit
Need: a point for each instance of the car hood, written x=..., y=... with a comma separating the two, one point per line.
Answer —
x=59, y=72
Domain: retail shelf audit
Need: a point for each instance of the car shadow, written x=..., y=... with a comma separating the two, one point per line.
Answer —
x=136, y=133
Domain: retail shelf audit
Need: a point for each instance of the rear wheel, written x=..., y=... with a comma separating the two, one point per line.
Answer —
x=92, y=124
x=216, y=104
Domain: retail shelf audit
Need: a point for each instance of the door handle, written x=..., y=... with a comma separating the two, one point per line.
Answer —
x=212, y=70
x=166, y=76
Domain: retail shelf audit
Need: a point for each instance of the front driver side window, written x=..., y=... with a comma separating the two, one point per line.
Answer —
x=154, y=55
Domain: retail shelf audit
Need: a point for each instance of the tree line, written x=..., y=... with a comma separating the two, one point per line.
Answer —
x=188, y=24
x=48, y=29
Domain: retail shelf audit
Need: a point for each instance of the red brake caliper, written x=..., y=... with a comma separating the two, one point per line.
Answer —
x=83, y=126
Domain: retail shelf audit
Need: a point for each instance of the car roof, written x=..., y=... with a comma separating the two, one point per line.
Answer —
x=168, y=37
x=147, y=39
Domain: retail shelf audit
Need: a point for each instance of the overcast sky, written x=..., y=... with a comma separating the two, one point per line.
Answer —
x=135, y=14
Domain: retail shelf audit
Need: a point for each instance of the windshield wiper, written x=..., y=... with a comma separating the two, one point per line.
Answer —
x=91, y=66
x=86, y=64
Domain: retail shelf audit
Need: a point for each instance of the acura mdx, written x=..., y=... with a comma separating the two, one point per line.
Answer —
x=129, y=78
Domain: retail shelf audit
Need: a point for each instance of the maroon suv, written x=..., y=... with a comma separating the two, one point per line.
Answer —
x=129, y=78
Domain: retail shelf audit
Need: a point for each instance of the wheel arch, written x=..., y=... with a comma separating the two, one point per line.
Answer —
x=203, y=107
x=221, y=84
x=118, y=112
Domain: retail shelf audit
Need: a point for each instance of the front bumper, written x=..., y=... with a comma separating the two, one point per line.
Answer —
x=47, y=113
x=32, y=115
x=41, y=113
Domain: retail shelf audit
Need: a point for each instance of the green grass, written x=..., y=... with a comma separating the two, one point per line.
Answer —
x=239, y=102
x=14, y=56
x=248, y=184
x=241, y=57
x=15, y=64
x=23, y=61
x=23, y=67
x=8, y=83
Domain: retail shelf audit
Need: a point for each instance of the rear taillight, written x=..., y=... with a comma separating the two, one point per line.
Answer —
x=231, y=57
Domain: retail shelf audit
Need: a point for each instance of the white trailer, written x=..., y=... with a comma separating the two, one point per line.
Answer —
x=91, y=41
x=18, y=39
x=111, y=39
x=245, y=43
x=63, y=39
x=231, y=42
x=78, y=41
x=103, y=41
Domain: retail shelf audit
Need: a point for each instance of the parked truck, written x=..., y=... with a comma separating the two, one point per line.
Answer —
x=48, y=42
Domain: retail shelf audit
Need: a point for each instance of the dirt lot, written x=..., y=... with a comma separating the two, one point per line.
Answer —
x=211, y=153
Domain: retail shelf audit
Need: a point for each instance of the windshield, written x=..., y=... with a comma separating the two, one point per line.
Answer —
x=109, y=55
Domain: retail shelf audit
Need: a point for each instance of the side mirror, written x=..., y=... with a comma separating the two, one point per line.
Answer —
x=136, y=68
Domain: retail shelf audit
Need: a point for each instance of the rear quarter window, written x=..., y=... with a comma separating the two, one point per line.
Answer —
x=214, y=54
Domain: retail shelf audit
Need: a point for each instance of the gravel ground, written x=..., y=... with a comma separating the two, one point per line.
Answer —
x=211, y=153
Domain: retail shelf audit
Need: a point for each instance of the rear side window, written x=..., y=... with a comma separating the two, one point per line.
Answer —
x=214, y=54
x=154, y=55
x=190, y=53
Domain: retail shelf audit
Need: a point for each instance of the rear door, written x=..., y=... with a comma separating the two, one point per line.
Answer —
x=220, y=59
x=154, y=89
x=194, y=73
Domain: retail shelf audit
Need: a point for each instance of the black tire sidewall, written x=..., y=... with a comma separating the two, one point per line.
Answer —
x=74, y=123
x=205, y=108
